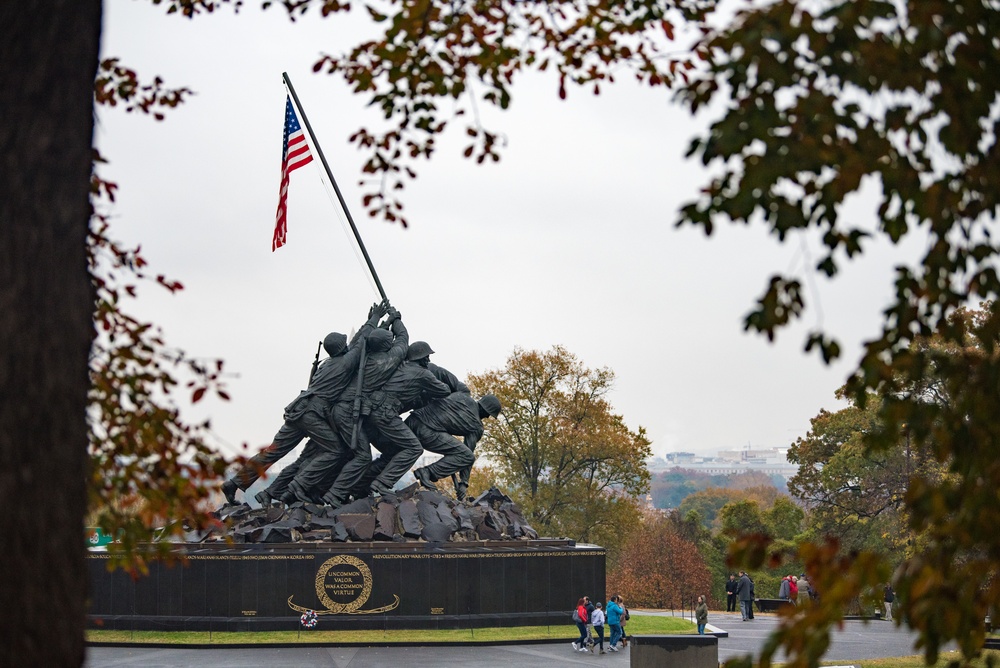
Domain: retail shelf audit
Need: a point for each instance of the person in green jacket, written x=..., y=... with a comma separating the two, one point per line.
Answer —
x=701, y=615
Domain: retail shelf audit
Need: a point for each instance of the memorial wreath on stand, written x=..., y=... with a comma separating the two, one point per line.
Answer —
x=309, y=619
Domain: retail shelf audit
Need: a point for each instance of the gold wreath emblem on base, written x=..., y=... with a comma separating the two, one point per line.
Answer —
x=354, y=607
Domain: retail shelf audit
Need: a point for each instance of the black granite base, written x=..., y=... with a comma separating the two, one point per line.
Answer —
x=351, y=586
x=690, y=651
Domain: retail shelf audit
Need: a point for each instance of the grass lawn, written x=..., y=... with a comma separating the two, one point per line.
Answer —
x=918, y=661
x=639, y=624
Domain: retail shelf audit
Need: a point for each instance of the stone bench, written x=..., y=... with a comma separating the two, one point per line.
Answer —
x=690, y=651
x=771, y=604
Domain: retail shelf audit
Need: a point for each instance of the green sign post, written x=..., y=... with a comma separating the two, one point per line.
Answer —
x=96, y=537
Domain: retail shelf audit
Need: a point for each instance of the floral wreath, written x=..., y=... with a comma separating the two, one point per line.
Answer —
x=309, y=619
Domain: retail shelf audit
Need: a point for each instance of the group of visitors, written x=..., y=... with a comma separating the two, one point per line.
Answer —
x=788, y=590
x=740, y=592
x=795, y=589
x=590, y=618
x=355, y=400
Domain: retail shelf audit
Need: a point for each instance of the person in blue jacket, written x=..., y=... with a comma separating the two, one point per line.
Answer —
x=614, y=612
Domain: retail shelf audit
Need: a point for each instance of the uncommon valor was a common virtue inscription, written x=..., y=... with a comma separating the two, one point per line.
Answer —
x=344, y=585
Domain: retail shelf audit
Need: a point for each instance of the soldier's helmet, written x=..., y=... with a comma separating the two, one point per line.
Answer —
x=490, y=404
x=380, y=341
x=335, y=344
x=418, y=350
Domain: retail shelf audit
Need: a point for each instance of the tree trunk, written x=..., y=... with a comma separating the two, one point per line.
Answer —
x=50, y=55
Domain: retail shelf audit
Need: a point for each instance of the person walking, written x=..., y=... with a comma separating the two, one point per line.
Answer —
x=587, y=603
x=888, y=598
x=625, y=618
x=744, y=592
x=701, y=615
x=614, y=619
x=731, y=593
x=597, y=620
x=580, y=617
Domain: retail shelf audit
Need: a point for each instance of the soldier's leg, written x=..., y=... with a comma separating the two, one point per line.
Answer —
x=310, y=485
x=386, y=452
x=307, y=484
x=456, y=455
x=463, y=480
x=361, y=455
x=284, y=442
x=372, y=471
x=391, y=430
x=278, y=488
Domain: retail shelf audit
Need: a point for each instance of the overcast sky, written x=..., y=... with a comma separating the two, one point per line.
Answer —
x=569, y=240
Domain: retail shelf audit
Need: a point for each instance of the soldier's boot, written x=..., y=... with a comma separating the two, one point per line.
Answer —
x=263, y=498
x=423, y=476
x=229, y=489
x=333, y=500
x=297, y=493
x=379, y=488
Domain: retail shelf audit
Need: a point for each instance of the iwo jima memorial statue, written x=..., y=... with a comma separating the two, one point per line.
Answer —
x=333, y=536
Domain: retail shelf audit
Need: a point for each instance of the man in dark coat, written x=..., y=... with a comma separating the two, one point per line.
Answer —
x=745, y=594
x=307, y=414
x=731, y=593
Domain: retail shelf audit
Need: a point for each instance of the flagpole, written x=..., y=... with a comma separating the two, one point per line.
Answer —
x=336, y=188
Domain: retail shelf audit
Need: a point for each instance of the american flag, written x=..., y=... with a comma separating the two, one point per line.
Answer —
x=294, y=154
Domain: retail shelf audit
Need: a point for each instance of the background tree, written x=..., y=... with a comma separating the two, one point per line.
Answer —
x=708, y=502
x=822, y=101
x=658, y=567
x=559, y=450
x=741, y=517
x=670, y=488
x=732, y=514
x=852, y=495
x=784, y=519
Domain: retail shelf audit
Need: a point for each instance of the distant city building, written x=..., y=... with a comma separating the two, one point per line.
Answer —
x=770, y=461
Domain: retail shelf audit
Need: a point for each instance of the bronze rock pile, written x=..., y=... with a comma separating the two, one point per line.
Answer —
x=412, y=514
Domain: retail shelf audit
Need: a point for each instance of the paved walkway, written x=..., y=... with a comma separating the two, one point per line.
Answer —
x=857, y=641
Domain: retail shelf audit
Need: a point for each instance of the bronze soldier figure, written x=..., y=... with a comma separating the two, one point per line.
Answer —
x=307, y=414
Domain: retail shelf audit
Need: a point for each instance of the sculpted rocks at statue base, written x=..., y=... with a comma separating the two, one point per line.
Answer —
x=411, y=514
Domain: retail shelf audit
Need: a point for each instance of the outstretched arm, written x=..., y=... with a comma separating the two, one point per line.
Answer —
x=402, y=338
x=375, y=314
x=448, y=378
